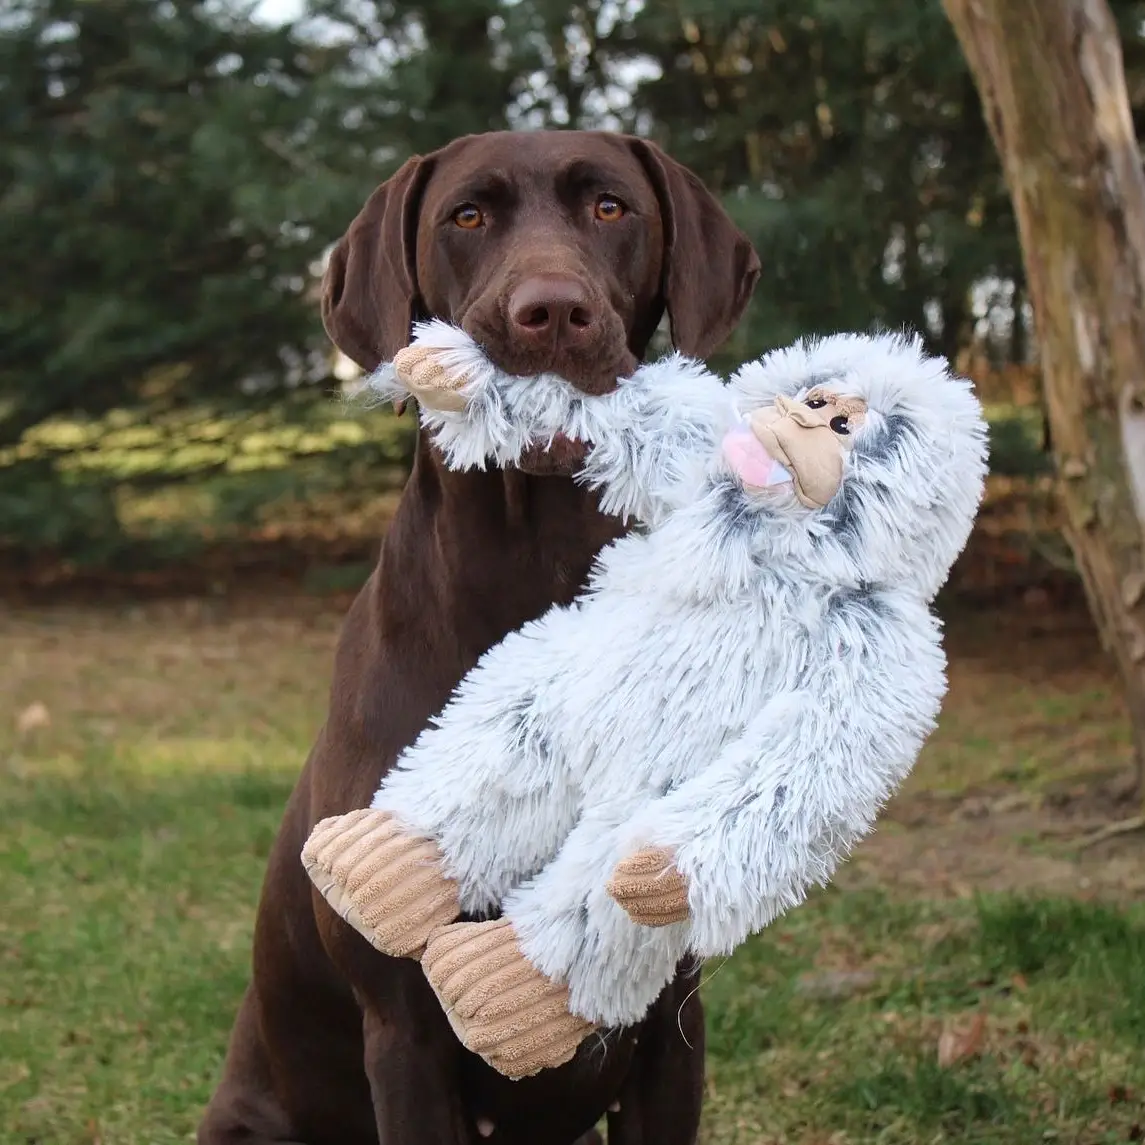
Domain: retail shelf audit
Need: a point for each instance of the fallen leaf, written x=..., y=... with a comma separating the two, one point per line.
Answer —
x=955, y=1044
x=33, y=717
x=1019, y=982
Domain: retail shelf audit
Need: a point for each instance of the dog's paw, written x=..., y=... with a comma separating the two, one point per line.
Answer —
x=500, y=1006
x=420, y=370
x=387, y=884
x=650, y=888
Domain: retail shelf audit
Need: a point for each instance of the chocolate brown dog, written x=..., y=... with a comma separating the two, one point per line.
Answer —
x=557, y=251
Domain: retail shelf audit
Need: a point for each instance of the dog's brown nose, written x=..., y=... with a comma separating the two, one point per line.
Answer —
x=551, y=309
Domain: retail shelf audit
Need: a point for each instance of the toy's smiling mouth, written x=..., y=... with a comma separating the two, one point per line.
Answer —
x=751, y=463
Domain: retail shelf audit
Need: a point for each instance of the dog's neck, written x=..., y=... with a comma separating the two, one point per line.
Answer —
x=472, y=556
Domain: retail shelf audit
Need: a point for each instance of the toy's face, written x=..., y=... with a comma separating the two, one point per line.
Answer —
x=796, y=446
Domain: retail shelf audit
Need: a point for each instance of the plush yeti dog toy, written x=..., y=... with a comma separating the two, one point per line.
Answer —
x=668, y=764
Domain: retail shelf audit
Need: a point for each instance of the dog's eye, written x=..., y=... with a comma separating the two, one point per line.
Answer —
x=468, y=217
x=840, y=424
x=608, y=209
x=816, y=403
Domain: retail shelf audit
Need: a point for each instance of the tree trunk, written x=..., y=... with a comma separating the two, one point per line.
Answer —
x=1052, y=84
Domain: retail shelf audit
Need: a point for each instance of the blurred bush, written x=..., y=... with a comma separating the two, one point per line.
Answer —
x=132, y=485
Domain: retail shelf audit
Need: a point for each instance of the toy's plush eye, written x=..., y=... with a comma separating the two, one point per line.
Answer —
x=815, y=403
x=468, y=217
x=841, y=425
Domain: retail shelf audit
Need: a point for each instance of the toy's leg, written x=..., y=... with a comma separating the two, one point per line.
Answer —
x=482, y=799
x=572, y=929
x=493, y=826
x=490, y=781
x=524, y=991
x=388, y=884
x=499, y=1005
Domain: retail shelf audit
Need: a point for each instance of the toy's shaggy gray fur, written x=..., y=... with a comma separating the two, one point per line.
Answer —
x=745, y=681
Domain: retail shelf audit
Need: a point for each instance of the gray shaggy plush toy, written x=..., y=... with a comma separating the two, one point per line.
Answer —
x=671, y=762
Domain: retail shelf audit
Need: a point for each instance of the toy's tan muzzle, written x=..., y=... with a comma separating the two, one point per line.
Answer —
x=801, y=440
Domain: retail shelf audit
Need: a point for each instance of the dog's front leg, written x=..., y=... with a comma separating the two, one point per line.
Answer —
x=409, y=1054
x=412, y=1067
x=410, y=1062
x=663, y=1095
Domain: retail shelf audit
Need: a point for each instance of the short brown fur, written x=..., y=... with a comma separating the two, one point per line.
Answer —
x=335, y=1044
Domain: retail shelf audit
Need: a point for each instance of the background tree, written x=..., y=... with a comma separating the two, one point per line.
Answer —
x=169, y=170
x=1053, y=86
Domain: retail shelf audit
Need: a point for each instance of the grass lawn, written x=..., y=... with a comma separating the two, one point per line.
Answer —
x=967, y=980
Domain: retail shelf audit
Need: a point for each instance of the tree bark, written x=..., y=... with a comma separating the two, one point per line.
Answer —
x=1052, y=84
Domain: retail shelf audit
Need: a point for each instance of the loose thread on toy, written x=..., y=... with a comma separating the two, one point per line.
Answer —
x=602, y=1043
x=691, y=993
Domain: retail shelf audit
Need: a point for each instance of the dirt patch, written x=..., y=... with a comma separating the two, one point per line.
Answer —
x=975, y=848
x=1033, y=753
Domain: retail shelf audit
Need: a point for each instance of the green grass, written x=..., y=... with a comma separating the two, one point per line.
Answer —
x=1062, y=1050
x=135, y=833
x=125, y=942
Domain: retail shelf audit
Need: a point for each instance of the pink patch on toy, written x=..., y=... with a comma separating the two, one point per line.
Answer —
x=750, y=462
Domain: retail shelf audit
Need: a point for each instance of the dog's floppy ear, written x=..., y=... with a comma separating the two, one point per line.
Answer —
x=710, y=266
x=369, y=290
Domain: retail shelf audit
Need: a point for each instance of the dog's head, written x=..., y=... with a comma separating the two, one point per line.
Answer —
x=556, y=250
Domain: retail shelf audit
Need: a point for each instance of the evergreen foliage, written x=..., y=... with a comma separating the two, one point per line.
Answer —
x=172, y=172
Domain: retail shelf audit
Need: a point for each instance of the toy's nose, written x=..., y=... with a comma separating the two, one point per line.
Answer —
x=801, y=414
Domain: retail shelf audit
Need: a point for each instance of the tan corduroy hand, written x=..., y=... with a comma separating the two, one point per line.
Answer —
x=420, y=371
x=499, y=1005
x=386, y=883
x=650, y=888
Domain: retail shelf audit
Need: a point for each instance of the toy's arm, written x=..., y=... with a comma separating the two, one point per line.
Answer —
x=656, y=432
x=785, y=802
x=654, y=437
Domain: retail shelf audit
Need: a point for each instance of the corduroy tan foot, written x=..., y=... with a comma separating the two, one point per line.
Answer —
x=499, y=1005
x=387, y=884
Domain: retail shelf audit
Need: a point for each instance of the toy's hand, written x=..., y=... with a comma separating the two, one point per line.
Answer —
x=420, y=371
x=650, y=888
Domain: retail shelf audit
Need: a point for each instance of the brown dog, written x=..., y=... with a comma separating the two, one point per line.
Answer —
x=557, y=250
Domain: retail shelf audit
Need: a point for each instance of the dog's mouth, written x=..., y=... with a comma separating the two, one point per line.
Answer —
x=561, y=458
x=564, y=456
x=593, y=367
x=592, y=373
